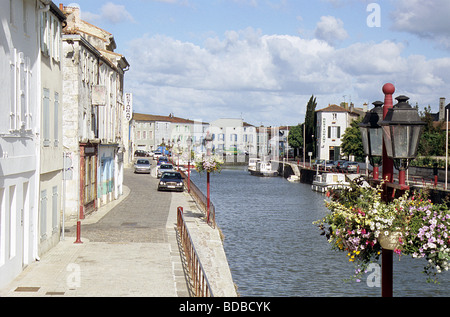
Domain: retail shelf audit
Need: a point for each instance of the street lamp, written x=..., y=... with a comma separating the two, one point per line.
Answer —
x=208, y=141
x=372, y=136
x=402, y=128
x=189, y=143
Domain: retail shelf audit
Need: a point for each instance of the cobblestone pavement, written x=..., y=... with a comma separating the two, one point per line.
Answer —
x=129, y=248
x=141, y=217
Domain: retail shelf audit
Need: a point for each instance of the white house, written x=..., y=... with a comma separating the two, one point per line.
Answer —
x=233, y=137
x=51, y=145
x=20, y=101
x=332, y=122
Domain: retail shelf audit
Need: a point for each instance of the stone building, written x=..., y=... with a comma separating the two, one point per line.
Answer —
x=93, y=115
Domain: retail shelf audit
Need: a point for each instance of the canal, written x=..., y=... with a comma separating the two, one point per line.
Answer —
x=273, y=248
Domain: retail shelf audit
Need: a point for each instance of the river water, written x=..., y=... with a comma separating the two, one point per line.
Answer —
x=274, y=250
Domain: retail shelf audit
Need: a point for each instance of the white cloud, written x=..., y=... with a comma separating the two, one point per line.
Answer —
x=116, y=13
x=109, y=12
x=269, y=78
x=331, y=30
x=426, y=19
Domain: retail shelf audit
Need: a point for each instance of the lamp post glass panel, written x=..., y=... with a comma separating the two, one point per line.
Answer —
x=372, y=136
x=402, y=128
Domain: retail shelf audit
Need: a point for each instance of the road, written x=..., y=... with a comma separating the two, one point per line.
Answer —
x=141, y=217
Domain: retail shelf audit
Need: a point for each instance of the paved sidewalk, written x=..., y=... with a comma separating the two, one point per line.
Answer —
x=117, y=268
x=128, y=249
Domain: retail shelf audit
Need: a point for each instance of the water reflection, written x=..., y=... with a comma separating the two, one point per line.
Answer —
x=274, y=249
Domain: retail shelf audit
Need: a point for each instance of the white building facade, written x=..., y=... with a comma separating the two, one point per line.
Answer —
x=20, y=101
x=51, y=145
x=233, y=137
x=332, y=122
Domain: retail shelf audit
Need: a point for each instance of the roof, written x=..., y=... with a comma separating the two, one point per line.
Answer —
x=333, y=108
x=169, y=118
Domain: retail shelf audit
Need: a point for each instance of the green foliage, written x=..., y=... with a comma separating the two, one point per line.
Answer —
x=310, y=125
x=296, y=137
x=352, y=141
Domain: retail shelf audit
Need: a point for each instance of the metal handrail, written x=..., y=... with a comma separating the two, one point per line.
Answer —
x=201, y=200
x=197, y=274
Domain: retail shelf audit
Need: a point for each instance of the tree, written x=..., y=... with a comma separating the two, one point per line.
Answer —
x=432, y=141
x=296, y=137
x=310, y=127
x=352, y=141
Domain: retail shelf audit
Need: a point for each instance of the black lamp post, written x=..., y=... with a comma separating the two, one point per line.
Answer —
x=372, y=136
x=402, y=128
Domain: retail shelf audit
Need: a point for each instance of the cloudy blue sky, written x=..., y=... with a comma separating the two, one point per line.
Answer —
x=263, y=59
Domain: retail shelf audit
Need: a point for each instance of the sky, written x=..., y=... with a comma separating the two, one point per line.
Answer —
x=262, y=60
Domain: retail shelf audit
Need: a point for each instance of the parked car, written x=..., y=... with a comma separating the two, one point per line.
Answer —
x=320, y=163
x=164, y=168
x=162, y=160
x=142, y=166
x=171, y=181
x=140, y=153
x=329, y=165
x=350, y=167
x=338, y=164
x=156, y=155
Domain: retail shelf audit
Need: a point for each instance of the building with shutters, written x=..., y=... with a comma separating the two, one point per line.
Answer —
x=331, y=123
x=94, y=112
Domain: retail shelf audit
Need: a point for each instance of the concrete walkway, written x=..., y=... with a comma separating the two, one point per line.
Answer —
x=129, y=248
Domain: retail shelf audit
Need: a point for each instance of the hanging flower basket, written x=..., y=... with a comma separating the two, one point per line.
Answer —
x=361, y=224
x=210, y=164
x=390, y=240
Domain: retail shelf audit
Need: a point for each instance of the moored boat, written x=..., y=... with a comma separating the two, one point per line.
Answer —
x=326, y=181
x=263, y=169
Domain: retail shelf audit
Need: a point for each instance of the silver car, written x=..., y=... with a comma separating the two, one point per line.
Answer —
x=163, y=168
x=350, y=167
x=142, y=166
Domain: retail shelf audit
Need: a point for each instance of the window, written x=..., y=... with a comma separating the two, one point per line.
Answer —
x=334, y=132
x=50, y=35
x=43, y=218
x=55, y=208
x=20, y=76
x=56, y=31
x=46, y=117
x=55, y=120
x=45, y=33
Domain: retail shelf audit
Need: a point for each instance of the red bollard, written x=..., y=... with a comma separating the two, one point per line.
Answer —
x=78, y=233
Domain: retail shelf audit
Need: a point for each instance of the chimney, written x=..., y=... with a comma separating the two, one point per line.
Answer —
x=442, y=109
